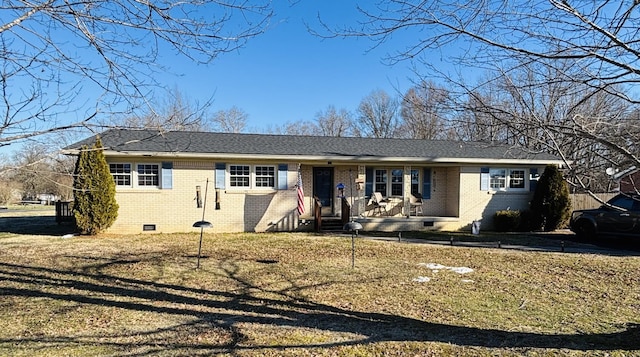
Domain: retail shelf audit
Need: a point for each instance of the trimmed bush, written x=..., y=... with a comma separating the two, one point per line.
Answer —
x=506, y=221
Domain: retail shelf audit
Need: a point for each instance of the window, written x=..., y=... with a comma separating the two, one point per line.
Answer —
x=503, y=179
x=148, y=175
x=380, y=181
x=498, y=178
x=390, y=182
x=392, y=187
x=239, y=175
x=257, y=177
x=121, y=174
x=265, y=176
x=516, y=179
x=415, y=181
x=139, y=175
x=396, y=182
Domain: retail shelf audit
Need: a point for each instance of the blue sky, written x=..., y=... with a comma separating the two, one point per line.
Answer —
x=282, y=76
x=288, y=74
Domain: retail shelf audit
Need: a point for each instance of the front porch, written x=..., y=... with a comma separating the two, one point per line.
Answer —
x=382, y=222
x=388, y=224
x=407, y=223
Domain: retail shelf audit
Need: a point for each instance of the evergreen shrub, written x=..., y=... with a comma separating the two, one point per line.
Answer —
x=551, y=203
x=95, y=207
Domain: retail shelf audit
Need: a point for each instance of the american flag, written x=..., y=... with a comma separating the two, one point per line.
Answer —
x=300, y=193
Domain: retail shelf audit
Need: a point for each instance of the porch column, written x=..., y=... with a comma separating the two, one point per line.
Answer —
x=406, y=184
x=360, y=199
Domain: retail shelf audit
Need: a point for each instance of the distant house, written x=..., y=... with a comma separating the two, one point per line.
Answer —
x=251, y=180
x=628, y=180
x=47, y=198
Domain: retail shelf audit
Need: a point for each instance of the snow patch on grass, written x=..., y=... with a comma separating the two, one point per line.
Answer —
x=435, y=268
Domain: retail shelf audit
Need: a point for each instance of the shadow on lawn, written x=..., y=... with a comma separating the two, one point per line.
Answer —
x=45, y=224
x=36, y=224
x=221, y=316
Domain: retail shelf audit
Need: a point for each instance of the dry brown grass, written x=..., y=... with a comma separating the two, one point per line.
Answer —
x=296, y=294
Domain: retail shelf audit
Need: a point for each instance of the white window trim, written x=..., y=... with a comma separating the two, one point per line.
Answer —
x=134, y=175
x=420, y=179
x=389, y=182
x=504, y=180
x=507, y=187
x=159, y=175
x=252, y=178
x=386, y=183
x=131, y=170
x=524, y=180
x=229, y=176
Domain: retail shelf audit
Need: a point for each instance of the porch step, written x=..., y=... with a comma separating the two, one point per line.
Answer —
x=331, y=224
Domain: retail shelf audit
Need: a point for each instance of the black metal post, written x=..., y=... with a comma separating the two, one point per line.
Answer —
x=204, y=207
x=353, y=251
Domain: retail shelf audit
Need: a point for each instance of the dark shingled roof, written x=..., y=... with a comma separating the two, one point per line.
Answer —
x=184, y=142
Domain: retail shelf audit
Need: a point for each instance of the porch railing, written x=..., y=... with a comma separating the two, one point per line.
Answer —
x=346, y=210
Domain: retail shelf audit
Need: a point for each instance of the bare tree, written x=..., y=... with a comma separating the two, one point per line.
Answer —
x=333, y=122
x=475, y=121
x=529, y=108
x=233, y=120
x=377, y=116
x=37, y=169
x=171, y=113
x=64, y=63
x=9, y=192
x=300, y=127
x=330, y=122
x=591, y=47
x=424, y=110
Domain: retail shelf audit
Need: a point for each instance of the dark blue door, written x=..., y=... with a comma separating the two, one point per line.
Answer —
x=323, y=188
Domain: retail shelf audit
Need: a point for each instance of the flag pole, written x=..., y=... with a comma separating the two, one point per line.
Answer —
x=300, y=192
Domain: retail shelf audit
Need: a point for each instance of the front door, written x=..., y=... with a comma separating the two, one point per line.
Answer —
x=323, y=188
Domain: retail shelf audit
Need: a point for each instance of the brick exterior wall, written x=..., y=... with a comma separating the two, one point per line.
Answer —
x=456, y=201
x=175, y=210
x=476, y=204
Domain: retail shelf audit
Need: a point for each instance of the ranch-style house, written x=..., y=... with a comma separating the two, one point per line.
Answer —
x=261, y=182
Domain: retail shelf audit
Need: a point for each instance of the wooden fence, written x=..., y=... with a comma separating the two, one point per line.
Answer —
x=64, y=212
x=585, y=201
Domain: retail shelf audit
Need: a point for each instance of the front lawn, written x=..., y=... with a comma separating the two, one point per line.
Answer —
x=297, y=294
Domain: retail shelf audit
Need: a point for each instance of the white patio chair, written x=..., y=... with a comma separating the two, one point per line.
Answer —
x=415, y=204
x=379, y=203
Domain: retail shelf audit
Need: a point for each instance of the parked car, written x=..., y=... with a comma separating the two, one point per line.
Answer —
x=619, y=217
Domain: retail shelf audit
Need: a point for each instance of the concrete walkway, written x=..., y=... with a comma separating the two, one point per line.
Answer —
x=556, y=244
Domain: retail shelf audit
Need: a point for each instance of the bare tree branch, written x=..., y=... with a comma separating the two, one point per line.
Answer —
x=560, y=73
x=64, y=64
